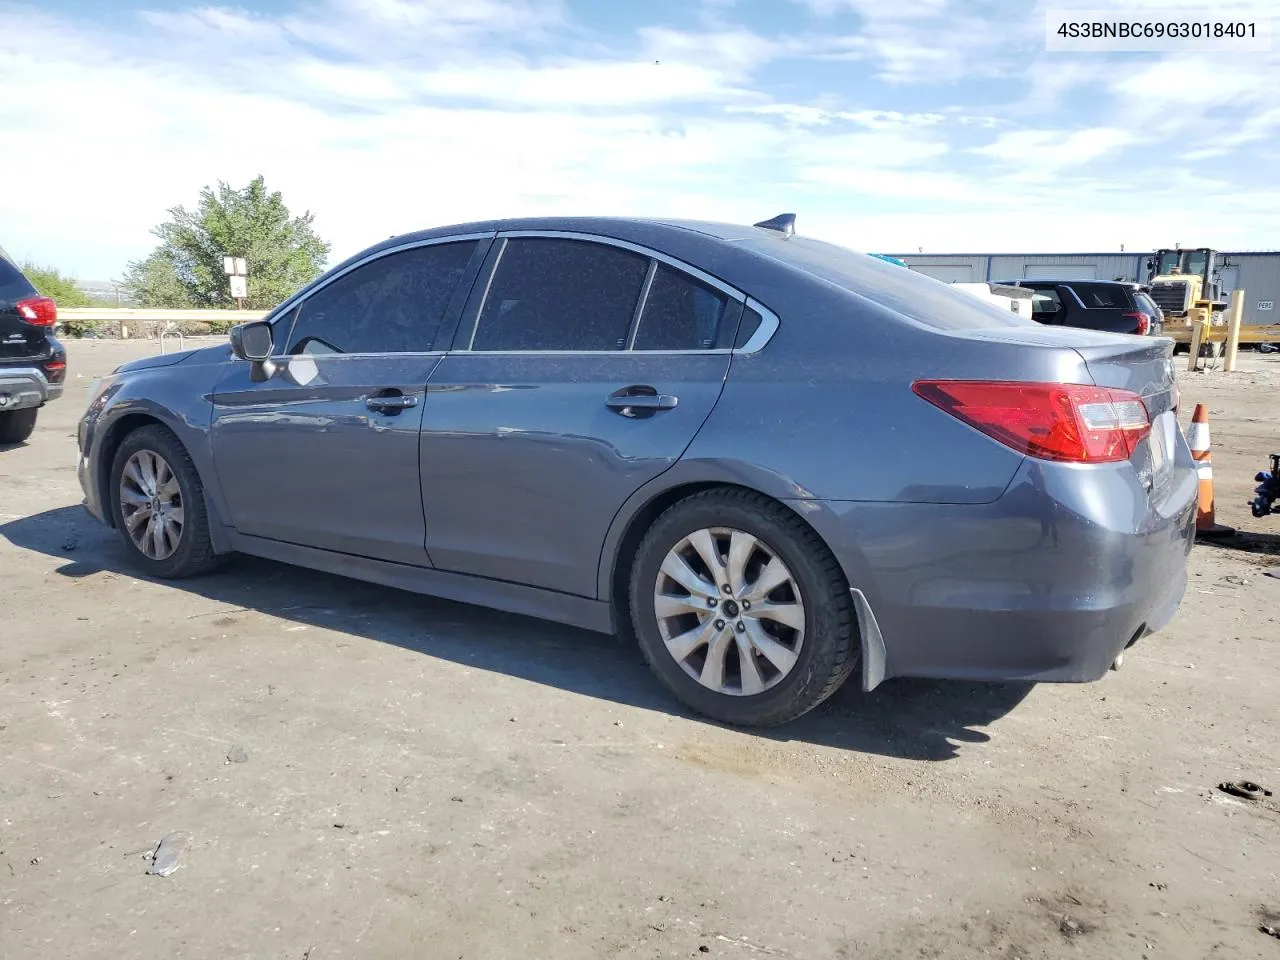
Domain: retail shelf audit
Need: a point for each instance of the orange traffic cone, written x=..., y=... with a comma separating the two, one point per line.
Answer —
x=1198, y=440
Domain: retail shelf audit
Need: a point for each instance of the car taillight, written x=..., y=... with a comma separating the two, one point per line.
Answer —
x=1142, y=321
x=38, y=311
x=55, y=370
x=1052, y=421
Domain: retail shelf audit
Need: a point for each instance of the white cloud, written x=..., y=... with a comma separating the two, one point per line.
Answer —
x=383, y=116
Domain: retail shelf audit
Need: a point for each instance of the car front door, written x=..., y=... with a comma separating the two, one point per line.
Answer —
x=580, y=371
x=324, y=452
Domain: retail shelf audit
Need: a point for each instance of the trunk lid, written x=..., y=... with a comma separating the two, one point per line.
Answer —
x=1143, y=365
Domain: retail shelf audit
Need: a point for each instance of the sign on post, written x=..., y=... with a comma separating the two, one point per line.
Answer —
x=237, y=270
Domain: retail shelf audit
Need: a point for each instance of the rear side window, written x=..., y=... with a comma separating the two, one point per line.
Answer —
x=908, y=292
x=1094, y=297
x=550, y=293
x=13, y=285
x=392, y=305
x=680, y=313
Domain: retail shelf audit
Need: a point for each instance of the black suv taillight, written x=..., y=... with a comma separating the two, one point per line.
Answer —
x=55, y=368
x=38, y=311
x=1142, y=321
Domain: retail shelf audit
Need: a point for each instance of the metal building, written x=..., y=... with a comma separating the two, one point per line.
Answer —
x=1258, y=272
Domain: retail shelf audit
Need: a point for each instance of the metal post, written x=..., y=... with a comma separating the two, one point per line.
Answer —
x=1199, y=330
x=1234, y=317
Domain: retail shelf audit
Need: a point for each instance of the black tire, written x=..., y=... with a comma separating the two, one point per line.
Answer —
x=194, y=554
x=17, y=425
x=830, y=648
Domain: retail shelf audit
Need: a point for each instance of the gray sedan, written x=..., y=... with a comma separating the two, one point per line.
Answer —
x=775, y=462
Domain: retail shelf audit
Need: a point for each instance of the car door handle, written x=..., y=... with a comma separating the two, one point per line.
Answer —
x=388, y=404
x=634, y=401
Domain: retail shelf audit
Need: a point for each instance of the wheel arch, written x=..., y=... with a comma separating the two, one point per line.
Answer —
x=115, y=434
x=646, y=504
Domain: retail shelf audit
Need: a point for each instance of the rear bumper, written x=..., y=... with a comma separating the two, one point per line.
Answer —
x=1048, y=583
x=22, y=387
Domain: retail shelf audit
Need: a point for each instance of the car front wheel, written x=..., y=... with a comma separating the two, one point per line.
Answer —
x=741, y=610
x=158, y=503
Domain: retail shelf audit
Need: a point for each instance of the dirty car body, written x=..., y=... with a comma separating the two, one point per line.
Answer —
x=566, y=408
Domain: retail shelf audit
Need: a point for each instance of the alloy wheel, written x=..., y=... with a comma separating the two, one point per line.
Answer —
x=729, y=611
x=151, y=505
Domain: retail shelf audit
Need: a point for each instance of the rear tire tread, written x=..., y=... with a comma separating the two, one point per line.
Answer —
x=16, y=426
x=837, y=642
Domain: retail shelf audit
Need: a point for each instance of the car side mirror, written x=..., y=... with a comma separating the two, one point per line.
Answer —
x=253, y=342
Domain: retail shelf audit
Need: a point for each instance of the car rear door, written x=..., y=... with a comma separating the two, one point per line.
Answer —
x=581, y=370
x=324, y=453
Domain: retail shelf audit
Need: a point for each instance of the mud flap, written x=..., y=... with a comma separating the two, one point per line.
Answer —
x=873, y=652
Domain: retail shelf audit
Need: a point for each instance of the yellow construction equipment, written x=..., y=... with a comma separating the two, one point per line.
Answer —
x=1187, y=287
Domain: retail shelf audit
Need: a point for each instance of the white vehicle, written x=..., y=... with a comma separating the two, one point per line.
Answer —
x=1016, y=299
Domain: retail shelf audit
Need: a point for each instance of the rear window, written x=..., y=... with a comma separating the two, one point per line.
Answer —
x=13, y=285
x=1094, y=297
x=1147, y=305
x=923, y=299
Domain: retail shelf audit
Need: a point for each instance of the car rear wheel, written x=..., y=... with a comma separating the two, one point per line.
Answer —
x=158, y=503
x=17, y=425
x=741, y=610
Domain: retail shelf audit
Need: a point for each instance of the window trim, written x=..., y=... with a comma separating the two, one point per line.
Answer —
x=467, y=329
x=295, y=302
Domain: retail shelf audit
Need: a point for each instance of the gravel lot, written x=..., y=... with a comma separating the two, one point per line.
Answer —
x=366, y=773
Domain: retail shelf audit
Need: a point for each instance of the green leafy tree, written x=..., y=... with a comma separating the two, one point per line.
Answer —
x=282, y=251
x=53, y=283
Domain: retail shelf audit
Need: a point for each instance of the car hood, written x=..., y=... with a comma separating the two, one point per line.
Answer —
x=170, y=359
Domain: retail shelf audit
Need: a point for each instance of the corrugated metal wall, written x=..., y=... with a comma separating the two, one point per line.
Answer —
x=1257, y=273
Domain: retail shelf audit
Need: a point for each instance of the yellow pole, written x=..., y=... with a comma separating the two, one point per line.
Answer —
x=1233, y=330
x=1199, y=328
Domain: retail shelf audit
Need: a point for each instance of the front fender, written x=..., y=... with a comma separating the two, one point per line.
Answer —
x=178, y=396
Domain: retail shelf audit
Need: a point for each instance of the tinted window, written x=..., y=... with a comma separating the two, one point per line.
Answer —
x=555, y=294
x=907, y=292
x=680, y=313
x=391, y=305
x=1046, y=305
x=13, y=285
x=1103, y=297
x=747, y=327
x=1147, y=305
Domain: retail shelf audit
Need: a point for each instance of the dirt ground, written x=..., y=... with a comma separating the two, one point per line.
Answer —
x=367, y=773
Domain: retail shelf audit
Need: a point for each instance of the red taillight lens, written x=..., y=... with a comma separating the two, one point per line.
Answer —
x=55, y=370
x=1052, y=421
x=1142, y=321
x=38, y=311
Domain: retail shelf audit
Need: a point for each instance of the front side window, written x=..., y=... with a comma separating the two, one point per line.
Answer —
x=393, y=304
x=552, y=293
x=680, y=313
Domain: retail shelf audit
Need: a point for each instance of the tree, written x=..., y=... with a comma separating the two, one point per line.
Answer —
x=53, y=283
x=282, y=251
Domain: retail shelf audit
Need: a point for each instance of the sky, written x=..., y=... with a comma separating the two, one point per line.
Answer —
x=941, y=125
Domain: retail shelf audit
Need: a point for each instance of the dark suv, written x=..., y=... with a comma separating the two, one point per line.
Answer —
x=1116, y=306
x=33, y=364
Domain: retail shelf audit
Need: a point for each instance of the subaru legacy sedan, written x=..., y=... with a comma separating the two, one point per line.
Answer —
x=772, y=462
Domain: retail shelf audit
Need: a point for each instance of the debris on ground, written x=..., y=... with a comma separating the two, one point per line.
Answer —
x=1244, y=789
x=1269, y=930
x=168, y=852
x=237, y=755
